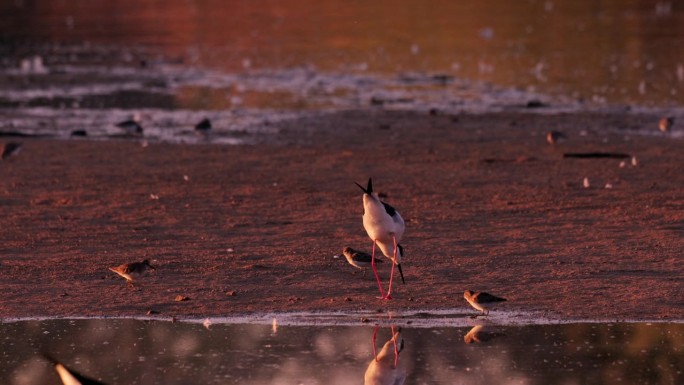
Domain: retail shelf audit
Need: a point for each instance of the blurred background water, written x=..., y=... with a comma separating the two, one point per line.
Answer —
x=248, y=64
x=157, y=352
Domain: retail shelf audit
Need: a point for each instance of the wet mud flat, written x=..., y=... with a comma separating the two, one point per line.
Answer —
x=488, y=203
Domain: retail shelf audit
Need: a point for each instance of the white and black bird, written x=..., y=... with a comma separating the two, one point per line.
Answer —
x=203, y=127
x=384, y=369
x=10, y=149
x=385, y=227
x=482, y=301
x=131, y=127
x=70, y=376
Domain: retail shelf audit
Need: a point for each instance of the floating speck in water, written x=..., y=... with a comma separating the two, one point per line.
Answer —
x=634, y=161
x=154, y=197
x=585, y=183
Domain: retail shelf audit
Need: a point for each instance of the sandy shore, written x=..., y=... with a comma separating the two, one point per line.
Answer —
x=489, y=205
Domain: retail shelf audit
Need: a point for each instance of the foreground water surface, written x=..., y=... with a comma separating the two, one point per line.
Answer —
x=124, y=351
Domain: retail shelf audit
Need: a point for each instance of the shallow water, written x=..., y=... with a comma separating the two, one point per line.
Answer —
x=86, y=65
x=124, y=351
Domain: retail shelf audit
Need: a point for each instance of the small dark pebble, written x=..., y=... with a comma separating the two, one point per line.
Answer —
x=79, y=133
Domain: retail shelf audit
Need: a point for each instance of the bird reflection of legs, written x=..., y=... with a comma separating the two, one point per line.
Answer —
x=397, y=349
x=383, y=369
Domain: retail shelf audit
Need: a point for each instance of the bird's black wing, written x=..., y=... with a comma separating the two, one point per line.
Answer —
x=389, y=209
x=488, y=298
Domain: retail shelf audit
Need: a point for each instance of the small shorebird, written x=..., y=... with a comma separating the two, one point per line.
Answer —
x=384, y=368
x=384, y=226
x=665, y=124
x=203, y=127
x=359, y=259
x=482, y=301
x=131, y=270
x=131, y=127
x=69, y=376
x=10, y=149
x=554, y=137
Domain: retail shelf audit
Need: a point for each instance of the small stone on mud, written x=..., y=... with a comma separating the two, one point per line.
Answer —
x=348, y=299
x=152, y=312
x=180, y=298
x=231, y=293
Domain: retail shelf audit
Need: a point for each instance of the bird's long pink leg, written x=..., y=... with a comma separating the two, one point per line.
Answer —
x=396, y=351
x=375, y=334
x=377, y=277
x=389, y=289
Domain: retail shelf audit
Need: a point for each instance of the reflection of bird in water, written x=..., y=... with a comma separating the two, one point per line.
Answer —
x=384, y=226
x=665, y=124
x=479, y=333
x=358, y=258
x=10, y=149
x=69, y=376
x=384, y=368
x=132, y=270
x=554, y=137
x=482, y=301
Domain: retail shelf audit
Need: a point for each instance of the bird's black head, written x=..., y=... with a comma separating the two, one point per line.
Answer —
x=368, y=190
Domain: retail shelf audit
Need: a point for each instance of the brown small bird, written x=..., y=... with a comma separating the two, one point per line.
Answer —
x=665, y=124
x=482, y=301
x=358, y=258
x=10, y=149
x=203, y=127
x=554, y=137
x=134, y=269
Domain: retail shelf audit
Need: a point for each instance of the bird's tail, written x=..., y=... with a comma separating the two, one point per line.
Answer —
x=401, y=273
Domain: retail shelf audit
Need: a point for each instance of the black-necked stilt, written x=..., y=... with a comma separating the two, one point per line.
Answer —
x=131, y=127
x=665, y=124
x=385, y=227
x=132, y=270
x=384, y=368
x=359, y=259
x=203, y=127
x=554, y=137
x=10, y=149
x=69, y=376
x=482, y=301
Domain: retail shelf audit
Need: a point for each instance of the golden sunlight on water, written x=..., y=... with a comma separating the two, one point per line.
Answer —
x=615, y=51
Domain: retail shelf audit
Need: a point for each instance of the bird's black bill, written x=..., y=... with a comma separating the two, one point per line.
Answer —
x=369, y=189
x=401, y=273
